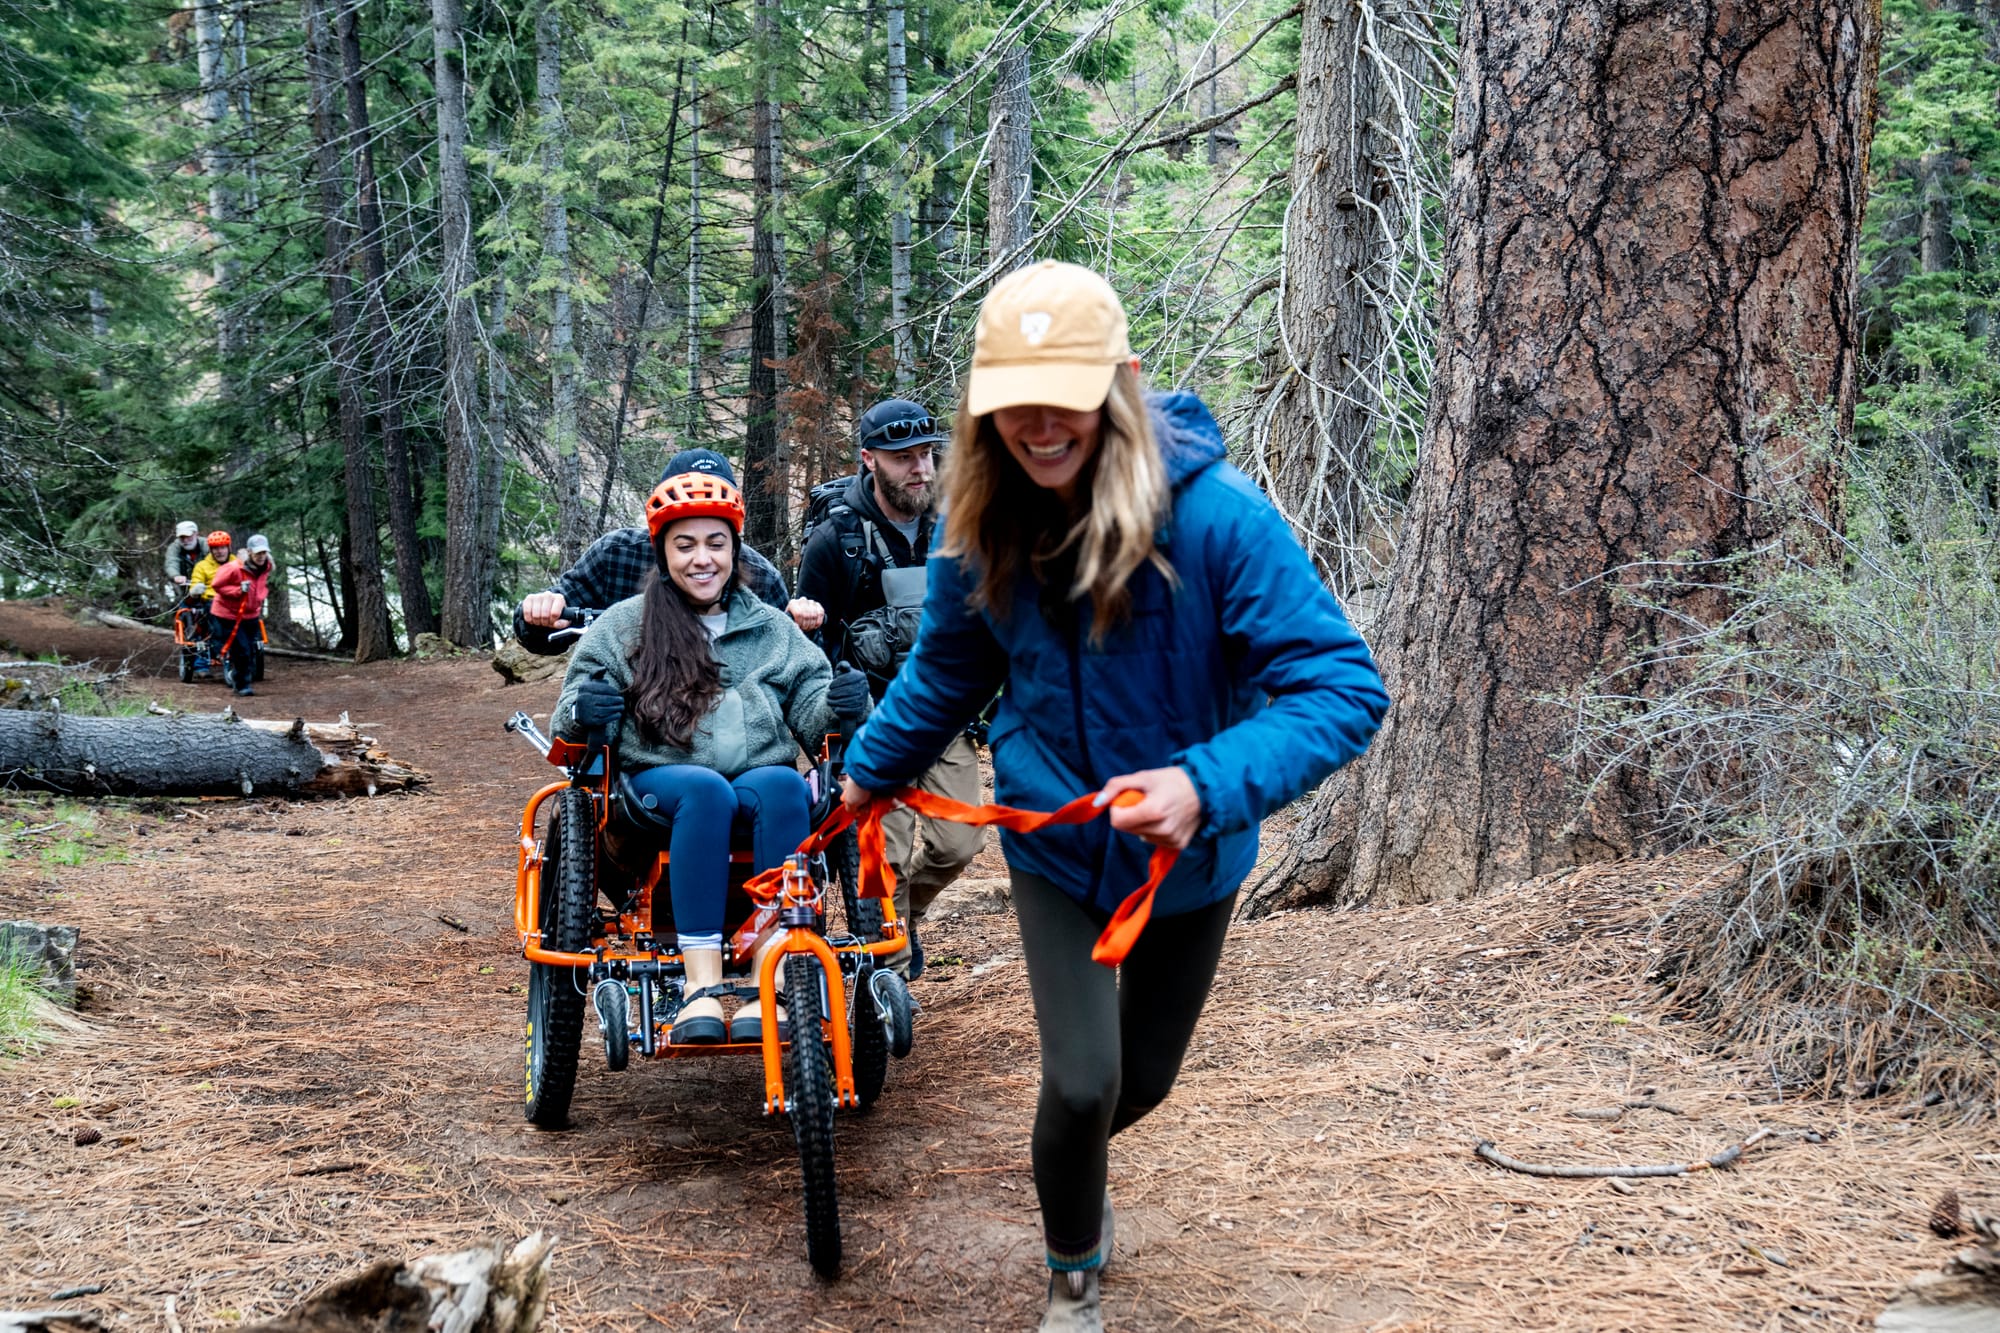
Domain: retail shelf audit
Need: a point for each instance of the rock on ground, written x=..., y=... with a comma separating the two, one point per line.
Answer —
x=518, y=666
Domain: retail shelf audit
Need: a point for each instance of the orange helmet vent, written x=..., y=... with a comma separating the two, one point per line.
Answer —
x=693, y=495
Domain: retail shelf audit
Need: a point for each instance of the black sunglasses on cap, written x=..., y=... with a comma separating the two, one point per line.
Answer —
x=908, y=428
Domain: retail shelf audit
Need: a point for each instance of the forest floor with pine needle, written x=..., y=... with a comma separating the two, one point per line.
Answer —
x=295, y=1067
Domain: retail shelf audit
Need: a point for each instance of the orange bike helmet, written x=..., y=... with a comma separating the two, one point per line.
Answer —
x=218, y=538
x=693, y=495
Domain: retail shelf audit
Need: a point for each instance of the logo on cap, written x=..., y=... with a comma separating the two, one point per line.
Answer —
x=1035, y=326
x=702, y=465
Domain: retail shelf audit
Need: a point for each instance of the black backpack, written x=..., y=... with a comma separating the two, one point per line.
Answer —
x=822, y=503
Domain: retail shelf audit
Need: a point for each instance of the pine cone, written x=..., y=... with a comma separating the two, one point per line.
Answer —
x=87, y=1136
x=1944, y=1217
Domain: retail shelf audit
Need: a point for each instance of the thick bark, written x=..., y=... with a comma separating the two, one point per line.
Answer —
x=367, y=621
x=418, y=617
x=903, y=336
x=1652, y=254
x=1340, y=253
x=194, y=756
x=764, y=493
x=573, y=527
x=468, y=620
x=1010, y=196
x=212, y=65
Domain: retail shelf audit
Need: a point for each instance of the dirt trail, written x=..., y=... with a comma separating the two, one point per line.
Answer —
x=296, y=1066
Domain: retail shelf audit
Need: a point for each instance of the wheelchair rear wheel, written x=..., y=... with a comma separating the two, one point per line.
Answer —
x=555, y=995
x=870, y=1049
x=809, y=1080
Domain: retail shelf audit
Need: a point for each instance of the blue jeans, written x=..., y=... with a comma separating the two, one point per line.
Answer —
x=703, y=806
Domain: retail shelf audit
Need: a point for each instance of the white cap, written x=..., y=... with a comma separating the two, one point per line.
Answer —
x=258, y=542
x=186, y=528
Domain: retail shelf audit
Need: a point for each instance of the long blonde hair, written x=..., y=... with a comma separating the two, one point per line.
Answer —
x=996, y=519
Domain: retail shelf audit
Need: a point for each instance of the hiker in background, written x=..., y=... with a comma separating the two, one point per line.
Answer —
x=203, y=571
x=187, y=553
x=241, y=588
x=1159, y=631
x=184, y=552
x=616, y=565
x=864, y=562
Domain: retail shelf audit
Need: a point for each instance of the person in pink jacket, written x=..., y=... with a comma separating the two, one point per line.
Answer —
x=241, y=587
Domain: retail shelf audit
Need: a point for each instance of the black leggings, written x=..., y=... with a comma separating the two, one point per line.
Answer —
x=1111, y=1043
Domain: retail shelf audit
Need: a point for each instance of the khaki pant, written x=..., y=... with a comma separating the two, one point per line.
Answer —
x=923, y=870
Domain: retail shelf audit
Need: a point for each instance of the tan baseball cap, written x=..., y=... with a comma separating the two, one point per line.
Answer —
x=1050, y=333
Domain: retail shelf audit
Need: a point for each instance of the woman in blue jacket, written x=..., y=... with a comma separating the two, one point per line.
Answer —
x=1157, y=629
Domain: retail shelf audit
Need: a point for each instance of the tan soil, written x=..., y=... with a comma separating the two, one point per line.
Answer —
x=271, y=994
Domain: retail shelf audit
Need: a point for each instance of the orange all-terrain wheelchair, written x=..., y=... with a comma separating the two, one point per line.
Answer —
x=591, y=906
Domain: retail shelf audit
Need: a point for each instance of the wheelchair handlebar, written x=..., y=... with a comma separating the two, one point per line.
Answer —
x=580, y=619
x=524, y=726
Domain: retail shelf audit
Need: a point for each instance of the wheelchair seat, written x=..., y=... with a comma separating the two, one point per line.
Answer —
x=642, y=814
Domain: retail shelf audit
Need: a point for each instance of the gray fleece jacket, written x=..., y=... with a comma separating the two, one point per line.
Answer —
x=774, y=690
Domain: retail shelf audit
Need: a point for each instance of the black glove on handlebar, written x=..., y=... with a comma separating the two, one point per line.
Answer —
x=599, y=708
x=848, y=695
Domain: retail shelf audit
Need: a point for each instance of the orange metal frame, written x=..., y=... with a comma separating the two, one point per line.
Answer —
x=620, y=946
x=181, y=640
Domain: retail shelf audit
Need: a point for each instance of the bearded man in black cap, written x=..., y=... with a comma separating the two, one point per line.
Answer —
x=864, y=564
x=616, y=565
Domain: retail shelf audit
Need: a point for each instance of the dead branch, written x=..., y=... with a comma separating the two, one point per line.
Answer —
x=1727, y=1157
x=1207, y=123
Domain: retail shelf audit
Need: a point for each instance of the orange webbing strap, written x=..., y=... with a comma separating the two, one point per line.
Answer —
x=878, y=877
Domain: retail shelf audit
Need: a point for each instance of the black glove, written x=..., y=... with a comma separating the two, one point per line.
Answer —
x=599, y=707
x=848, y=695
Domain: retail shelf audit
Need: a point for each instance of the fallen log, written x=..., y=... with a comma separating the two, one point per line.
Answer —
x=116, y=621
x=488, y=1290
x=195, y=756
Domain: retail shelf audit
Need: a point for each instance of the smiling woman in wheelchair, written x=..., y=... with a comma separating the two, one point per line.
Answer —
x=708, y=693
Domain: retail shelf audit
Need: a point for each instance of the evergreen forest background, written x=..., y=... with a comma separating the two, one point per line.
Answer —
x=426, y=292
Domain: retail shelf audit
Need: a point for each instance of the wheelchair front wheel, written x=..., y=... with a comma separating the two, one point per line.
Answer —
x=555, y=992
x=809, y=1083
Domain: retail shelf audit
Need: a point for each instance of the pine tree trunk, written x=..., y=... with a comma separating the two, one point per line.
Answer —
x=418, y=617
x=573, y=522
x=1652, y=253
x=1934, y=239
x=635, y=343
x=763, y=464
x=903, y=336
x=695, y=415
x=1339, y=260
x=368, y=620
x=468, y=620
x=212, y=66
x=493, y=471
x=1010, y=198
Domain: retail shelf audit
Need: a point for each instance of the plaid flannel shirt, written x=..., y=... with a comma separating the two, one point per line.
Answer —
x=615, y=567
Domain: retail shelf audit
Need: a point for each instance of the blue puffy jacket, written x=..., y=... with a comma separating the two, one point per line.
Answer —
x=1246, y=674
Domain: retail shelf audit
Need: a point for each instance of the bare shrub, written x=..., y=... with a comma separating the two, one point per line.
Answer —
x=1839, y=734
